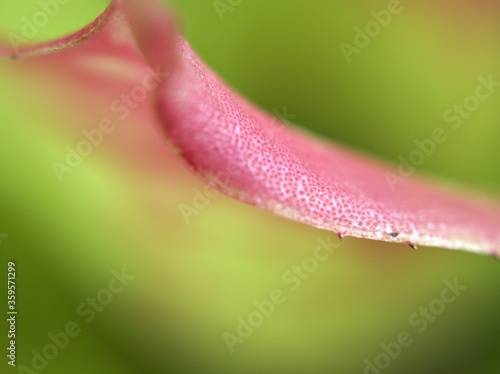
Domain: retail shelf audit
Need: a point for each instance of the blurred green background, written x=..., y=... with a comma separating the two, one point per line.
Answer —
x=120, y=208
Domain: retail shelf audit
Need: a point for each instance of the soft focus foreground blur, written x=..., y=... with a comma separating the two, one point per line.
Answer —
x=230, y=288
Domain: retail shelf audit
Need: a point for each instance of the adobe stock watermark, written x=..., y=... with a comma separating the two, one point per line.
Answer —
x=223, y=6
x=420, y=322
x=407, y=166
x=293, y=279
x=464, y=110
x=48, y=9
x=121, y=107
x=280, y=120
x=455, y=116
x=59, y=341
x=363, y=36
x=201, y=198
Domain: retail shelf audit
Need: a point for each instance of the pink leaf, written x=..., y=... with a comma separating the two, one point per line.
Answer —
x=249, y=155
x=252, y=157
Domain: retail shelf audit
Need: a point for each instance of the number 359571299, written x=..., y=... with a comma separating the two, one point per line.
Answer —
x=11, y=286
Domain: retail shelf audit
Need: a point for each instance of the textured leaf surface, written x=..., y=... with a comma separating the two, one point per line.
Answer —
x=251, y=156
x=290, y=173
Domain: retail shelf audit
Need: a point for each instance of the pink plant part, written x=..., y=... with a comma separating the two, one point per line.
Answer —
x=306, y=179
x=247, y=155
